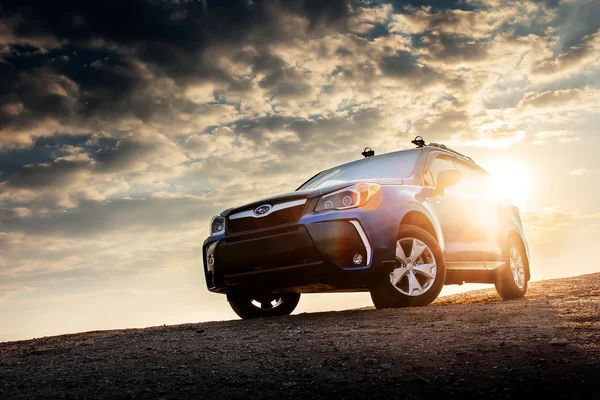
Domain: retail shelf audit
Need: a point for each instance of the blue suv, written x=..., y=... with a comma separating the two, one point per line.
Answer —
x=399, y=225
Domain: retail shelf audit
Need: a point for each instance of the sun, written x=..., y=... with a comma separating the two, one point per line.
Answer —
x=512, y=179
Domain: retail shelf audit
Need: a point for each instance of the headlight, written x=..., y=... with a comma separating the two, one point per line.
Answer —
x=350, y=197
x=217, y=225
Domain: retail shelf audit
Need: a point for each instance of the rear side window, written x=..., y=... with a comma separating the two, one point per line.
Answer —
x=472, y=178
x=467, y=172
x=439, y=163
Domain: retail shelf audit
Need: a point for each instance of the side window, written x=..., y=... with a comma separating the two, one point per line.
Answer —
x=485, y=181
x=439, y=163
x=470, y=177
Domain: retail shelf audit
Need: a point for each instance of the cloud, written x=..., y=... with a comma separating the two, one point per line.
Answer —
x=405, y=66
x=563, y=136
x=549, y=219
x=573, y=20
x=452, y=48
x=220, y=140
x=8, y=291
x=94, y=170
x=554, y=134
x=571, y=59
x=94, y=219
x=415, y=20
x=450, y=121
x=57, y=174
x=580, y=171
x=552, y=99
x=131, y=155
x=565, y=140
x=89, y=72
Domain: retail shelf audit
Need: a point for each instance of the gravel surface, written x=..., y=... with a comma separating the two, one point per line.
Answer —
x=467, y=345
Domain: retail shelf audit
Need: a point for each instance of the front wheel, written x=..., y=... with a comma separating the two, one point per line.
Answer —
x=267, y=305
x=418, y=274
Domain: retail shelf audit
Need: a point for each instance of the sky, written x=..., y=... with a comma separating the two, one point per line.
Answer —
x=125, y=126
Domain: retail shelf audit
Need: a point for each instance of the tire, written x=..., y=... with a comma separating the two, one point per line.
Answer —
x=511, y=281
x=271, y=305
x=429, y=279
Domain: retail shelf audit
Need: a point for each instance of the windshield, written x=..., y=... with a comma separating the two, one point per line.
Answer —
x=395, y=165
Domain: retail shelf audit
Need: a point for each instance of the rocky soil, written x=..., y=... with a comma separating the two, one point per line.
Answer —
x=466, y=345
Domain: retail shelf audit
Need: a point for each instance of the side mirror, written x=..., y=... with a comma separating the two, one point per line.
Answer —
x=447, y=178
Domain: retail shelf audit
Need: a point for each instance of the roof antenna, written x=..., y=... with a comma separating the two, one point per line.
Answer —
x=419, y=142
x=368, y=152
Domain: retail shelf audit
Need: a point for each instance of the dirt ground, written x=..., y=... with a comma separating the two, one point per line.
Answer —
x=466, y=345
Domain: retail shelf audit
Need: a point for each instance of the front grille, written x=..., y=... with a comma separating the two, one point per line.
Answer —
x=281, y=217
x=261, y=234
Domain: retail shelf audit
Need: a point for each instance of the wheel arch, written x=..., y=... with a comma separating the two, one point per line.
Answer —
x=422, y=219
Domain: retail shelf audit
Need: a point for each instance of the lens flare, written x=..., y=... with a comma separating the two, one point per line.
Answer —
x=512, y=179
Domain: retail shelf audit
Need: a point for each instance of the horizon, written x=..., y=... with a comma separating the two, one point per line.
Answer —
x=124, y=127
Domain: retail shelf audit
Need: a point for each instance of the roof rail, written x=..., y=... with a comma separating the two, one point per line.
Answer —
x=442, y=146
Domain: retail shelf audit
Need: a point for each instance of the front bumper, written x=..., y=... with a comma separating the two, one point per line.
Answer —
x=316, y=254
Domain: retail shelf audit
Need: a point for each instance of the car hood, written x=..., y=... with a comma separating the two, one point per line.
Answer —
x=302, y=194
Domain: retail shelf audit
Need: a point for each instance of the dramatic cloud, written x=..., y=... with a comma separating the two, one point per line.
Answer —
x=560, y=99
x=573, y=58
x=552, y=99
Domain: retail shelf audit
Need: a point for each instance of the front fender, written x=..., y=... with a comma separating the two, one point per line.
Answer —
x=401, y=200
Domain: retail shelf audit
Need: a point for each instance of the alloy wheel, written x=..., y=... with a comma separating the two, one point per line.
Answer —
x=517, y=268
x=415, y=269
x=266, y=303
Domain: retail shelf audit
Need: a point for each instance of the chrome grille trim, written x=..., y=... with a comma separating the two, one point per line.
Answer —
x=276, y=207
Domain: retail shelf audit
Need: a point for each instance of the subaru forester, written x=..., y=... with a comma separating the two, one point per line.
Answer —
x=399, y=225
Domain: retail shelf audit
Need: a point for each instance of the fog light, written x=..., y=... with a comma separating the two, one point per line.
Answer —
x=211, y=260
x=357, y=259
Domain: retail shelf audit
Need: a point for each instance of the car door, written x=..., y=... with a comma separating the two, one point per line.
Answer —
x=451, y=209
x=486, y=212
x=478, y=211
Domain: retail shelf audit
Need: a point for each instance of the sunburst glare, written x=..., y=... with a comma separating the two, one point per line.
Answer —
x=512, y=179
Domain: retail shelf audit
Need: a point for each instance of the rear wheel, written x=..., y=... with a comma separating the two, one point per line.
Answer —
x=511, y=282
x=418, y=273
x=267, y=305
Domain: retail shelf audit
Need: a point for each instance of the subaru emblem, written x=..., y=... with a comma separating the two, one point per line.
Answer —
x=262, y=210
